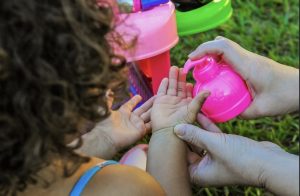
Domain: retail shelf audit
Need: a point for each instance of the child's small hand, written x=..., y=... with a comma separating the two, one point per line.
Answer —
x=125, y=127
x=174, y=103
x=121, y=129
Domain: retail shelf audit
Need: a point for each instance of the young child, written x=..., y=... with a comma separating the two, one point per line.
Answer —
x=55, y=67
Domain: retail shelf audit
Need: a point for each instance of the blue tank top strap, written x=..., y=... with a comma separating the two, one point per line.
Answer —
x=87, y=176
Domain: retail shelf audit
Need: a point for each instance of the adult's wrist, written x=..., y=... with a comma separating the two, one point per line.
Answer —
x=281, y=174
x=295, y=90
x=286, y=88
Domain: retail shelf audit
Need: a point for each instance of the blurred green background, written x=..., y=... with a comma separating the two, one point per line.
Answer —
x=269, y=28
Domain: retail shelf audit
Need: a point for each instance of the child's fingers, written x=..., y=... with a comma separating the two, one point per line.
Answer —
x=162, y=90
x=182, y=84
x=197, y=102
x=145, y=107
x=130, y=105
x=173, y=78
x=146, y=116
x=189, y=90
x=138, y=123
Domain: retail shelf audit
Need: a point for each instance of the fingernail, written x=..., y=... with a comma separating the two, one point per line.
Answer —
x=179, y=130
x=207, y=93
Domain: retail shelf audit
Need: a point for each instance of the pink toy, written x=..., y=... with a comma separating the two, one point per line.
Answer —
x=156, y=34
x=229, y=93
x=136, y=156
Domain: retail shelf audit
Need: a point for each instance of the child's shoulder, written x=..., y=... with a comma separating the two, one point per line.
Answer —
x=122, y=180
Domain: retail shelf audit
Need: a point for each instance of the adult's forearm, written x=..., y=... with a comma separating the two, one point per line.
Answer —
x=287, y=85
x=282, y=175
x=291, y=84
x=167, y=162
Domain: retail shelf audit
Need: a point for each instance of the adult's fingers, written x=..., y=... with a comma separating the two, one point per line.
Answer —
x=207, y=124
x=173, y=79
x=192, y=157
x=219, y=37
x=196, y=149
x=204, y=174
x=162, y=90
x=131, y=104
x=194, y=135
x=145, y=107
x=272, y=146
x=195, y=105
x=256, y=107
x=230, y=51
x=182, y=84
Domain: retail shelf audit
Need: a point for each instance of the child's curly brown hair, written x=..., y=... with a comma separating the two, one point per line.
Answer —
x=55, y=67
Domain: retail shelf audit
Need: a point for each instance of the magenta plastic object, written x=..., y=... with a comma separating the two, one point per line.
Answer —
x=155, y=30
x=156, y=34
x=229, y=93
x=136, y=156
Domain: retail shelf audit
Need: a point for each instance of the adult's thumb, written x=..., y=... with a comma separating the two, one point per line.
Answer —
x=194, y=135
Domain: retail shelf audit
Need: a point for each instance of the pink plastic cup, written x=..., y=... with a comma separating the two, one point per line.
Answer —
x=156, y=34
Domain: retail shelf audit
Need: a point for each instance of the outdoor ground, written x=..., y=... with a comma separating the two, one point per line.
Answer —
x=269, y=28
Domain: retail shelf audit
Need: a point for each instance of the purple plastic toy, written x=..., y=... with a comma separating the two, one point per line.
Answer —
x=140, y=5
x=229, y=93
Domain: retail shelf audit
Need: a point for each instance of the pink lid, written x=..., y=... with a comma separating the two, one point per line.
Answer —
x=155, y=29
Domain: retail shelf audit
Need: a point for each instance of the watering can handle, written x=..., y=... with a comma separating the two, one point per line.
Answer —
x=191, y=64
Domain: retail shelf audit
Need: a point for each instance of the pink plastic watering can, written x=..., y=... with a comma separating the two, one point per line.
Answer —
x=229, y=93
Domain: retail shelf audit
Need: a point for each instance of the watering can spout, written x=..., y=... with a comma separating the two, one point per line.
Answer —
x=188, y=66
x=191, y=64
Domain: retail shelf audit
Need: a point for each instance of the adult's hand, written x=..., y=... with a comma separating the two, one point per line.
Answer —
x=274, y=86
x=237, y=160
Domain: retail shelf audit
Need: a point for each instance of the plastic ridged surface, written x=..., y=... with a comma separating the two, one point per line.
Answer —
x=155, y=30
x=204, y=18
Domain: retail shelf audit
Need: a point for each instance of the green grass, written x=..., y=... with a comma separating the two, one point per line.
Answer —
x=269, y=28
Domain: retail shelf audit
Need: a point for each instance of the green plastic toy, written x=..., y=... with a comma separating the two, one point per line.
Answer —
x=203, y=18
